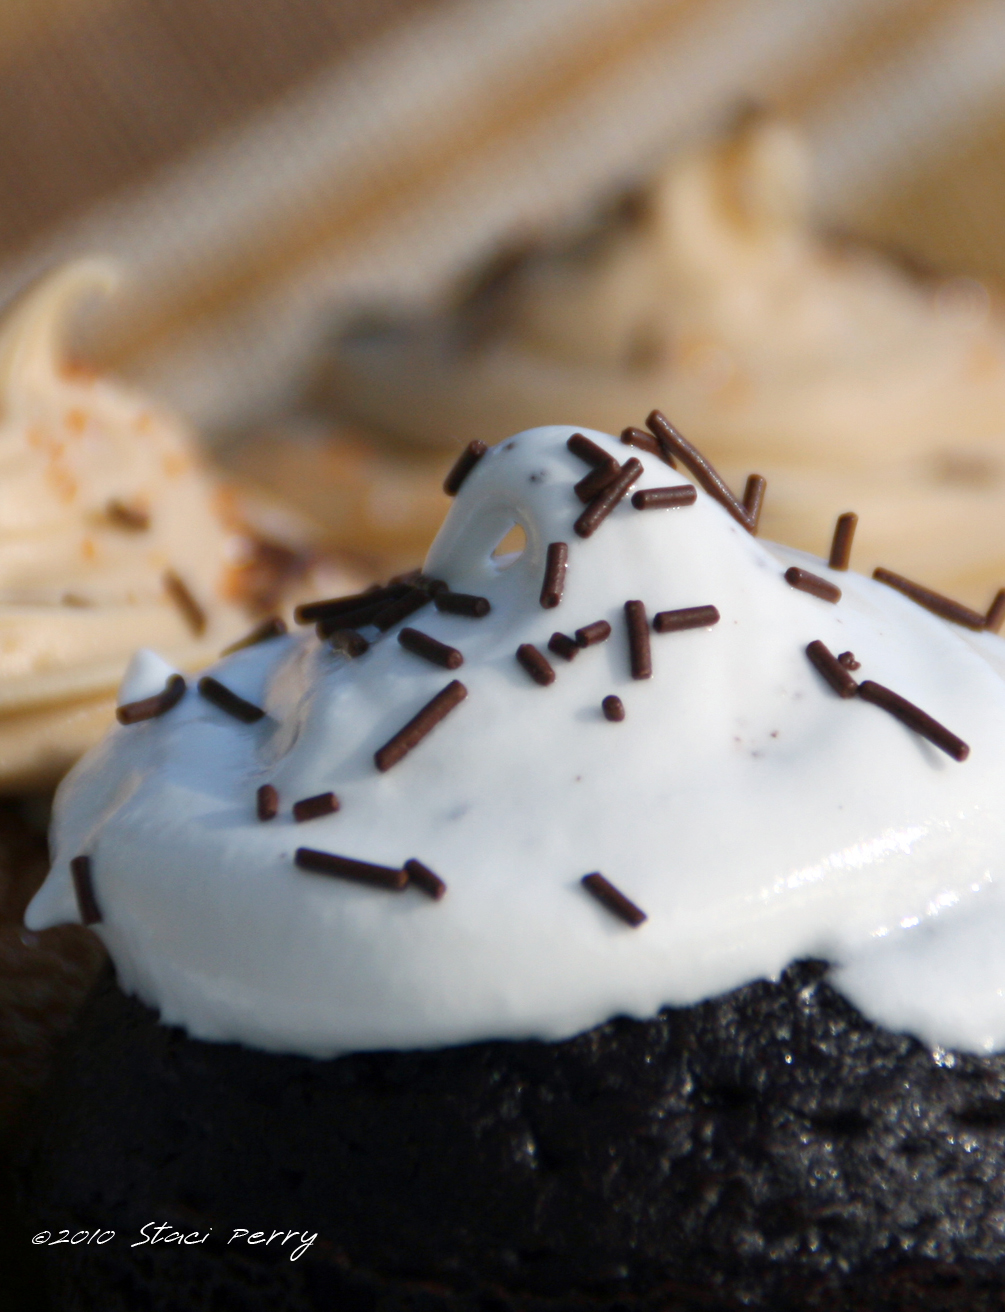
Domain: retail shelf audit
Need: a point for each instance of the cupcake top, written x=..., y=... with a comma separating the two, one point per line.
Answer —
x=109, y=535
x=432, y=821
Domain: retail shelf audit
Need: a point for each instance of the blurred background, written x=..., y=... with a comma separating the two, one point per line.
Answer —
x=264, y=167
x=268, y=172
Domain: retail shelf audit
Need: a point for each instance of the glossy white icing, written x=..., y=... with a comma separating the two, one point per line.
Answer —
x=754, y=815
x=145, y=676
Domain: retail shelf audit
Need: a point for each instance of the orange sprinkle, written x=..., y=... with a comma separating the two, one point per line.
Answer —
x=63, y=482
x=75, y=371
x=174, y=465
x=75, y=420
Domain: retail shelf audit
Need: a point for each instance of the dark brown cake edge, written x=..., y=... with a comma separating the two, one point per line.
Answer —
x=770, y=1149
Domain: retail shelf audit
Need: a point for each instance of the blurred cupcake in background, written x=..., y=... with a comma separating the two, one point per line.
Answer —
x=109, y=540
x=113, y=536
x=340, y=489
x=848, y=380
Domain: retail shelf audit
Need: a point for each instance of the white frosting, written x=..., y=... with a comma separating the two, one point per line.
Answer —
x=754, y=815
x=145, y=676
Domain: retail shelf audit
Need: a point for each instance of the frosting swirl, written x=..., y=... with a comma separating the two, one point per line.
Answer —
x=849, y=383
x=109, y=538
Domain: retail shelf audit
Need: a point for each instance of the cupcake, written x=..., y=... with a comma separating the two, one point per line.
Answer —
x=111, y=540
x=611, y=922
x=846, y=378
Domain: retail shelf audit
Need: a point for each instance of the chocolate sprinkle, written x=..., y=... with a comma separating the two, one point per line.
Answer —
x=535, y=664
x=371, y=600
x=419, y=725
x=267, y=802
x=638, y=640
x=132, y=518
x=915, y=718
x=310, y=808
x=554, y=574
x=944, y=607
x=613, y=708
x=347, y=867
x=637, y=437
x=400, y=609
x=613, y=900
x=195, y=616
x=707, y=476
x=665, y=498
x=688, y=617
x=423, y=878
x=413, y=577
x=847, y=659
x=466, y=461
x=274, y=627
x=598, y=631
x=150, y=707
x=753, y=499
x=812, y=583
x=461, y=603
x=602, y=504
x=562, y=645
x=228, y=701
x=588, y=451
x=831, y=668
x=347, y=642
x=83, y=886
x=352, y=619
x=844, y=533
x=430, y=649
x=996, y=612
x=597, y=479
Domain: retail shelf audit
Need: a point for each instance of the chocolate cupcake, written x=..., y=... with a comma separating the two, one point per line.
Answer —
x=450, y=917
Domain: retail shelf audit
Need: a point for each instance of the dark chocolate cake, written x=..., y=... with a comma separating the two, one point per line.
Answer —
x=770, y=1149
x=44, y=978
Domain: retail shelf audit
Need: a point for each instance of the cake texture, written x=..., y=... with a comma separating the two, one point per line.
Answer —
x=768, y=1150
x=44, y=979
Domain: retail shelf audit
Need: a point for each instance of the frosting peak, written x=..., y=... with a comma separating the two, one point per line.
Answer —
x=31, y=355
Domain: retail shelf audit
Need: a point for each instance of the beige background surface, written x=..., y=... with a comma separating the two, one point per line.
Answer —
x=263, y=168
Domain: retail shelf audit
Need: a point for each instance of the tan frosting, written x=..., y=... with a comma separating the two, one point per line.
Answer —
x=380, y=505
x=722, y=295
x=101, y=500
x=826, y=367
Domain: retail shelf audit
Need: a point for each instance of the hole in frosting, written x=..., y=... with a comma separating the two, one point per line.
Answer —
x=510, y=546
